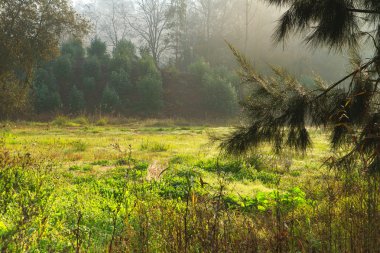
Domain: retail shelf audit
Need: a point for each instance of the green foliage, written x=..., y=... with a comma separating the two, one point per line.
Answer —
x=147, y=68
x=31, y=34
x=217, y=88
x=78, y=146
x=89, y=84
x=60, y=121
x=113, y=204
x=124, y=56
x=84, y=168
x=154, y=146
x=110, y=100
x=199, y=68
x=14, y=95
x=122, y=84
x=286, y=107
x=45, y=100
x=149, y=91
x=63, y=68
x=285, y=201
x=102, y=121
x=76, y=100
x=73, y=49
x=26, y=200
x=97, y=49
x=92, y=67
x=219, y=95
x=128, y=84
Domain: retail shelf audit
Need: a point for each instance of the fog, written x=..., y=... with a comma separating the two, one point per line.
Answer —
x=228, y=21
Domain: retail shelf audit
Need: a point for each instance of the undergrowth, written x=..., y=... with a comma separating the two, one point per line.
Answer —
x=121, y=211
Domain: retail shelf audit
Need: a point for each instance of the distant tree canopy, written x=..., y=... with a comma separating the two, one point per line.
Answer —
x=129, y=84
x=30, y=32
x=280, y=108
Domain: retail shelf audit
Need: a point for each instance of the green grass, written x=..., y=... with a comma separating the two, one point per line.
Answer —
x=72, y=143
x=75, y=184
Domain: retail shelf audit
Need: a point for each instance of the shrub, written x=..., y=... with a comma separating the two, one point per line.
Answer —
x=83, y=168
x=61, y=121
x=219, y=97
x=78, y=146
x=153, y=146
x=102, y=121
x=26, y=196
x=82, y=120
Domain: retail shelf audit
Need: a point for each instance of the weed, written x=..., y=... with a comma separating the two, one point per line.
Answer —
x=60, y=121
x=101, y=163
x=81, y=120
x=79, y=146
x=153, y=146
x=83, y=168
x=102, y=121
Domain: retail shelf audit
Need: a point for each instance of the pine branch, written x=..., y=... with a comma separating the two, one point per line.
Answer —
x=345, y=78
x=364, y=11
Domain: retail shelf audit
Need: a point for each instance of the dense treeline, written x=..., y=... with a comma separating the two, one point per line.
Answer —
x=128, y=82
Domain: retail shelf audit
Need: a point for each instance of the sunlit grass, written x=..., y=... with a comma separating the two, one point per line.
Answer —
x=90, y=149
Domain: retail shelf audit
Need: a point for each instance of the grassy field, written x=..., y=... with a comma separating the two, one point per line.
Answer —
x=83, y=149
x=162, y=186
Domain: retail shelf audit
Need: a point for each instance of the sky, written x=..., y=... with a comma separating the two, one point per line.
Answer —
x=79, y=1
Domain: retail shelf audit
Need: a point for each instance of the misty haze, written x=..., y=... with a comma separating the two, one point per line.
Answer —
x=190, y=126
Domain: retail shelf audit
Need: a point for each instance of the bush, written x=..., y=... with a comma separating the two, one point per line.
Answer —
x=78, y=146
x=61, y=121
x=82, y=120
x=199, y=68
x=102, y=121
x=26, y=192
x=219, y=97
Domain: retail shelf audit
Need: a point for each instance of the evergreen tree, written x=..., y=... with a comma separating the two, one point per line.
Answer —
x=149, y=91
x=98, y=49
x=124, y=56
x=110, y=100
x=76, y=100
x=219, y=97
x=281, y=108
x=46, y=100
x=46, y=96
x=73, y=49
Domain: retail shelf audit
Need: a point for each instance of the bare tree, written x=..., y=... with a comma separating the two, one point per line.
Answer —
x=247, y=22
x=109, y=19
x=178, y=25
x=114, y=23
x=151, y=23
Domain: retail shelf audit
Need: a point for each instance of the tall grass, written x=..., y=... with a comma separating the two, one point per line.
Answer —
x=42, y=211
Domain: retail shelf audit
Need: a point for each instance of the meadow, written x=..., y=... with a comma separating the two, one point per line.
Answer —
x=163, y=186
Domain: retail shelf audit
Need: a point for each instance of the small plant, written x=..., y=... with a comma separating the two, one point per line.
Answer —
x=159, y=147
x=60, y=121
x=153, y=146
x=101, y=163
x=79, y=146
x=102, y=121
x=266, y=177
x=81, y=120
x=83, y=168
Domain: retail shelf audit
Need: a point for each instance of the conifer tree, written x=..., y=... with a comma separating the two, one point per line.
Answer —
x=280, y=108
